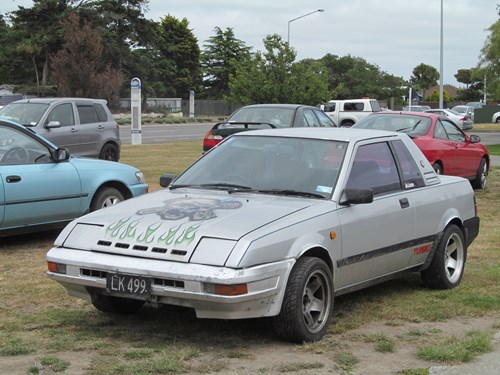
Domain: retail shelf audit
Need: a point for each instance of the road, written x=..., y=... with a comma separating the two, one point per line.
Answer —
x=185, y=132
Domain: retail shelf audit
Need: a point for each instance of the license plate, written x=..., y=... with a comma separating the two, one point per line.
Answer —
x=117, y=283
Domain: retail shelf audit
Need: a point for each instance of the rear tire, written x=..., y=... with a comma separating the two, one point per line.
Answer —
x=447, y=265
x=438, y=168
x=308, y=302
x=110, y=152
x=116, y=305
x=481, y=176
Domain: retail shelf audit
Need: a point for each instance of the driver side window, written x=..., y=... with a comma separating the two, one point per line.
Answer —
x=17, y=148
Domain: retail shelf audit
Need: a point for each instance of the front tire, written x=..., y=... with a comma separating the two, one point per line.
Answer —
x=116, y=305
x=481, y=176
x=447, y=266
x=308, y=302
x=106, y=197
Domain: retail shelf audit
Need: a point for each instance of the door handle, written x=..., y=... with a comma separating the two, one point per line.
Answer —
x=11, y=179
x=404, y=202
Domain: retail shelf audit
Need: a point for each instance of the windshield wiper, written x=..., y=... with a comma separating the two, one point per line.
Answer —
x=219, y=185
x=409, y=127
x=291, y=192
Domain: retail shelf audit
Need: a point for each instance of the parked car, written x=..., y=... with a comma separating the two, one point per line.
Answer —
x=85, y=127
x=416, y=108
x=463, y=121
x=449, y=150
x=42, y=187
x=475, y=104
x=496, y=117
x=262, y=116
x=464, y=110
x=274, y=223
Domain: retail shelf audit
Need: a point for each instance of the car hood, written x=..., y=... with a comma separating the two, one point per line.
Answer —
x=170, y=224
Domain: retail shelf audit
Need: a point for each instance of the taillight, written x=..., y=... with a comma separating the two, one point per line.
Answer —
x=211, y=140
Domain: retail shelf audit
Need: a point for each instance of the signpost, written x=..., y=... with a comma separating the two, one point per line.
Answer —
x=135, y=104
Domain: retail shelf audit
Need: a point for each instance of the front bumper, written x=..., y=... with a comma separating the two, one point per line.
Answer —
x=182, y=284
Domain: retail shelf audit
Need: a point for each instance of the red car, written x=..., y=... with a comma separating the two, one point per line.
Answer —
x=448, y=148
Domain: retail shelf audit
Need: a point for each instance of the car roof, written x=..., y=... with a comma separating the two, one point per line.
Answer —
x=273, y=105
x=406, y=113
x=337, y=134
x=54, y=100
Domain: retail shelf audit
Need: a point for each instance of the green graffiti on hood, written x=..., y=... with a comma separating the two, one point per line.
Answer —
x=188, y=235
x=148, y=236
x=118, y=228
x=179, y=236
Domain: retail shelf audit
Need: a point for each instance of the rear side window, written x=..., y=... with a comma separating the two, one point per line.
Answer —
x=354, y=106
x=310, y=119
x=324, y=120
x=411, y=174
x=101, y=112
x=88, y=114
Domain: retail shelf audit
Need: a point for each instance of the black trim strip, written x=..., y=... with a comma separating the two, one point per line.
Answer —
x=48, y=199
x=384, y=251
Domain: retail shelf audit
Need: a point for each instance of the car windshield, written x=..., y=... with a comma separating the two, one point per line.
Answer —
x=268, y=165
x=279, y=117
x=415, y=125
x=27, y=114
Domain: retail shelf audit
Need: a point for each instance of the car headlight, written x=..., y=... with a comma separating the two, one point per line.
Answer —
x=140, y=177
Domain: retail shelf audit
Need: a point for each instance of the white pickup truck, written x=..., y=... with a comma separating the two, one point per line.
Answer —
x=347, y=112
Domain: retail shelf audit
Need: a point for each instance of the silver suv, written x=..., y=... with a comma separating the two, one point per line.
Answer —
x=85, y=127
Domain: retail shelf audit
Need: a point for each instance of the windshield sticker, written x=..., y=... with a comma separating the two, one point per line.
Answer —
x=196, y=209
x=324, y=189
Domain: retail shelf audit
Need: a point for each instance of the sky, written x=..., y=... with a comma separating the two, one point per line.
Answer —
x=395, y=35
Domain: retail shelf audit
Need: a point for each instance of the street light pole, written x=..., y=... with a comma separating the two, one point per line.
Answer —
x=441, y=101
x=295, y=19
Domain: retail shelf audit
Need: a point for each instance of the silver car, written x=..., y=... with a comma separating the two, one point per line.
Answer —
x=463, y=121
x=85, y=127
x=275, y=223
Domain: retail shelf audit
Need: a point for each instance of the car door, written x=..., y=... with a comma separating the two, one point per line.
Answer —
x=36, y=189
x=461, y=158
x=91, y=129
x=60, y=127
x=2, y=199
x=367, y=249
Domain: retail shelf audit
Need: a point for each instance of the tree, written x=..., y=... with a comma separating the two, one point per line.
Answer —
x=39, y=34
x=490, y=60
x=79, y=69
x=474, y=79
x=179, y=47
x=424, y=76
x=464, y=76
x=434, y=97
x=273, y=76
x=222, y=53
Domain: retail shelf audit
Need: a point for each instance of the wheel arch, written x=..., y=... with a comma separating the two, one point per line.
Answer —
x=120, y=186
x=321, y=253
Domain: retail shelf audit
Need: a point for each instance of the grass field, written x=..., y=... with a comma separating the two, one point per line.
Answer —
x=42, y=328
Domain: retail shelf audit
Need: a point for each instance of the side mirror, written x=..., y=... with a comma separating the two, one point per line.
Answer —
x=475, y=138
x=60, y=154
x=166, y=179
x=356, y=196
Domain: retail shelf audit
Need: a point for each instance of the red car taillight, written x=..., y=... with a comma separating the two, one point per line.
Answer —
x=211, y=140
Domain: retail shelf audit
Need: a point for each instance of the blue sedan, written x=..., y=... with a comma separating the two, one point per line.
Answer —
x=42, y=187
